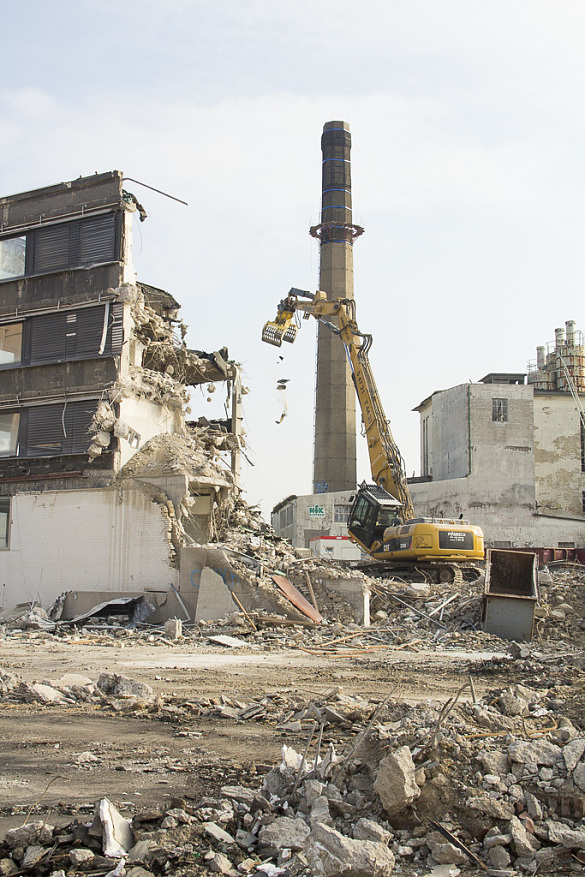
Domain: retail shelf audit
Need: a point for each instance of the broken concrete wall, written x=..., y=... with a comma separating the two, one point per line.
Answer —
x=107, y=539
x=228, y=576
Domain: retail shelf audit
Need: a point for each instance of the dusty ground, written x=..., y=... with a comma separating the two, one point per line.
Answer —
x=144, y=759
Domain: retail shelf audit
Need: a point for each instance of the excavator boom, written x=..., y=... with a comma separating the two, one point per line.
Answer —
x=382, y=519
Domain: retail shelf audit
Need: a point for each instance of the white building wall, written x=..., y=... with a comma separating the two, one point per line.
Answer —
x=502, y=453
x=108, y=539
x=313, y=515
x=448, y=434
x=148, y=419
x=560, y=482
x=522, y=469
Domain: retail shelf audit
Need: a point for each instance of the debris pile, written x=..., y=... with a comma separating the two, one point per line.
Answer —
x=496, y=783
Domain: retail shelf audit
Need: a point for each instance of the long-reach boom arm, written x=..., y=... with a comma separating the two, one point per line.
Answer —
x=385, y=458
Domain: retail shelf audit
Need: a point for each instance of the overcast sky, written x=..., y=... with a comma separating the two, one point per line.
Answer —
x=468, y=160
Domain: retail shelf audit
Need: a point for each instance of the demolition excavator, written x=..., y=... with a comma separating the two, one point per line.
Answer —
x=382, y=520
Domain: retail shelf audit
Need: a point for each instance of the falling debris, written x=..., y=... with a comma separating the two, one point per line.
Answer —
x=281, y=385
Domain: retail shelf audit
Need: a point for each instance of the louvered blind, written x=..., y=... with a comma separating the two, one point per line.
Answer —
x=59, y=429
x=69, y=335
x=76, y=244
x=51, y=250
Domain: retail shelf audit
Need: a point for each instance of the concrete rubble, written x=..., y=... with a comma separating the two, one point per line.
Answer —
x=373, y=786
x=512, y=799
x=366, y=785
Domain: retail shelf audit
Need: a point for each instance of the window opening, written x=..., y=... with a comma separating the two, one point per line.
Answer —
x=4, y=521
x=500, y=410
x=12, y=257
x=9, y=434
x=10, y=344
x=341, y=513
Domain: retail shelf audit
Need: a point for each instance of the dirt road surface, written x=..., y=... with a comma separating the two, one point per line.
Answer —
x=144, y=757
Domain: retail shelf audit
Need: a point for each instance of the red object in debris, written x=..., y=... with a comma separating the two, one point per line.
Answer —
x=296, y=598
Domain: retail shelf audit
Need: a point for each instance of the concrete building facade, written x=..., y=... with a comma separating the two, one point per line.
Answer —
x=509, y=455
x=334, y=461
x=104, y=480
x=312, y=516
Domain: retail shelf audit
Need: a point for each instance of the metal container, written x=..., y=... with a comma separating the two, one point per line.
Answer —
x=510, y=594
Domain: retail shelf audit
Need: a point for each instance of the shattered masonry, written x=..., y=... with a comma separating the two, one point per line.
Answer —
x=94, y=405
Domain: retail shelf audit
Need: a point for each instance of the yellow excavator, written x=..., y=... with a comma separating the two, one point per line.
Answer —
x=382, y=519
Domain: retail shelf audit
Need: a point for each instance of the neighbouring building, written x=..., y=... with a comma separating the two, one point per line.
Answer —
x=104, y=479
x=312, y=516
x=510, y=455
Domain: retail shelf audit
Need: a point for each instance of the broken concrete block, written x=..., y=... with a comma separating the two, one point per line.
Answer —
x=445, y=853
x=116, y=685
x=491, y=807
x=573, y=752
x=245, y=839
x=220, y=864
x=139, y=850
x=116, y=833
x=32, y=832
x=32, y=855
x=182, y=817
x=494, y=762
x=137, y=871
x=7, y=867
x=174, y=628
x=367, y=829
x=218, y=833
x=579, y=776
x=42, y=693
x=331, y=854
x=78, y=856
x=523, y=843
x=320, y=811
x=534, y=752
x=395, y=782
x=240, y=794
x=284, y=833
x=499, y=857
x=312, y=789
x=214, y=599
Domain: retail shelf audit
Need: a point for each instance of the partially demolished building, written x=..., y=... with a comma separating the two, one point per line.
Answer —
x=103, y=480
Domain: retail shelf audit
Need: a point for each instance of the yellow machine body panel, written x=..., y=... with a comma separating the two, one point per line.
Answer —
x=424, y=541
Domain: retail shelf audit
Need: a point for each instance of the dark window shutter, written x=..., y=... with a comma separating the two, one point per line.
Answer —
x=90, y=324
x=48, y=338
x=59, y=429
x=76, y=244
x=97, y=240
x=52, y=248
x=70, y=335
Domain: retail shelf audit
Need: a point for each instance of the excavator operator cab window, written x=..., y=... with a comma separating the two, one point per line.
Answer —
x=389, y=518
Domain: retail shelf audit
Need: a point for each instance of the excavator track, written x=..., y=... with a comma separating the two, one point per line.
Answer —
x=455, y=574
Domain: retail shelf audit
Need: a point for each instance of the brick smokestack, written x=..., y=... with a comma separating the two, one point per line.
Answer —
x=334, y=462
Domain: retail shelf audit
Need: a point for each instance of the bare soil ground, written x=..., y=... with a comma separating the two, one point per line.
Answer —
x=145, y=759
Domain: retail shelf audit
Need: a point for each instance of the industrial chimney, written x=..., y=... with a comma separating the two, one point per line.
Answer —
x=334, y=461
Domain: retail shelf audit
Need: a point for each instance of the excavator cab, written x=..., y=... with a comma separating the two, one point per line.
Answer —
x=372, y=512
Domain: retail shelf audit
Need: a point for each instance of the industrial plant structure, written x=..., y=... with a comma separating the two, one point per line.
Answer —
x=510, y=454
x=334, y=461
